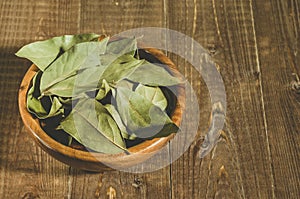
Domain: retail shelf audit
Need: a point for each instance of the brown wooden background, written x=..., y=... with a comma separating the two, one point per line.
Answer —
x=256, y=45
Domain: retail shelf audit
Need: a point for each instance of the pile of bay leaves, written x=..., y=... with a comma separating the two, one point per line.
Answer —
x=101, y=91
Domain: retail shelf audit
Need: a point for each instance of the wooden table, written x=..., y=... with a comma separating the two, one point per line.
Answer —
x=256, y=45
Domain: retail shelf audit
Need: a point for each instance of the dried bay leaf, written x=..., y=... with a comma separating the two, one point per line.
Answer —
x=73, y=86
x=126, y=84
x=90, y=79
x=154, y=94
x=114, y=113
x=68, y=125
x=103, y=90
x=43, y=53
x=156, y=131
x=56, y=107
x=81, y=56
x=65, y=100
x=35, y=105
x=122, y=46
x=97, y=131
x=121, y=68
x=153, y=75
x=106, y=87
x=137, y=112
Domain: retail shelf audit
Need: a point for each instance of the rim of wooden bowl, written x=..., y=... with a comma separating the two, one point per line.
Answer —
x=146, y=147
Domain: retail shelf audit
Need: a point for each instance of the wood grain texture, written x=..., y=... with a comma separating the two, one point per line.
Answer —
x=278, y=48
x=256, y=47
x=26, y=171
x=243, y=164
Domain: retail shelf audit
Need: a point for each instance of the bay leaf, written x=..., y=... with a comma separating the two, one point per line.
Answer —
x=114, y=113
x=154, y=94
x=156, y=131
x=90, y=79
x=98, y=131
x=124, y=83
x=120, y=68
x=137, y=112
x=73, y=86
x=81, y=56
x=56, y=107
x=65, y=100
x=103, y=90
x=153, y=75
x=68, y=125
x=35, y=105
x=43, y=53
x=117, y=48
x=122, y=46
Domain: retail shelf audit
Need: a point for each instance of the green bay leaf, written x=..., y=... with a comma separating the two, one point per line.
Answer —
x=153, y=75
x=68, y=125
x=80, y=57
x=103, y=90
x=139, y=114
x=153, y=94
x=42, y=53
x=122, y=46
x=91, y=78
x=35, y=105
x=92, y=125
x=116, y=116
x=75, y=85
x=120, y=68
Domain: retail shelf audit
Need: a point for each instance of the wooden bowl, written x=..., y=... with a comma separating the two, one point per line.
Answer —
x=93, y=161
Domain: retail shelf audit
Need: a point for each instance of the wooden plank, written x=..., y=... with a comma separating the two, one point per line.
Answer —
x=279, y=62
x=112, y=17
x=239, y=166
x=116, y=184
x=26, y=171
